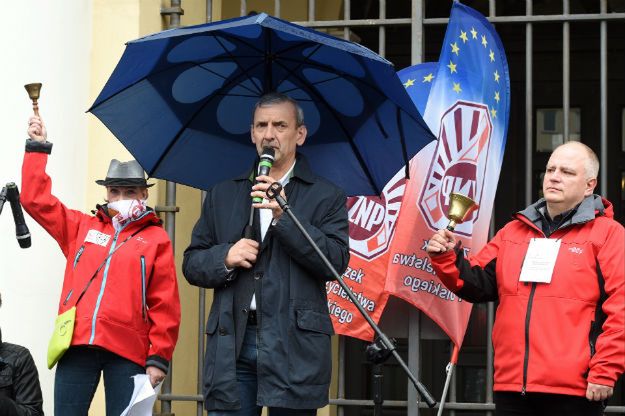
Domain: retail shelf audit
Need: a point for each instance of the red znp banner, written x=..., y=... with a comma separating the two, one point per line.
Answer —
x=456, y=163
x=372, y=223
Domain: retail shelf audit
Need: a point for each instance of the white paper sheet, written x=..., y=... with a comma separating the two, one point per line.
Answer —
x=143, y=397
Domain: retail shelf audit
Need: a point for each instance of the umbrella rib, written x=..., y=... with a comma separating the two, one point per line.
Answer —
x=268, y=81
x=225, y=79
x=403, y=143
x=300, y=63
x=233, y=58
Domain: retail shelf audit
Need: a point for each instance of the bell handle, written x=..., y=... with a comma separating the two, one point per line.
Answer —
x=34, y=90
x=452, y=225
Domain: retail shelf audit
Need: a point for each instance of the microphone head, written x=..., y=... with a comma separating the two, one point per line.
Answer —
x=24, y=241
x=264, y=166
x=266, y=160
x=23, y=235
x=268, y=153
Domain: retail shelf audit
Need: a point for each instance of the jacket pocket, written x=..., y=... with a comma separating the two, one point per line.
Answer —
x=212, y=355
x=314, y=321
x=144, y=306
x=309, y=348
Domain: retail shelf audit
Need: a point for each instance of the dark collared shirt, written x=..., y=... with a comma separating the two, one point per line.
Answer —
x=549, y=225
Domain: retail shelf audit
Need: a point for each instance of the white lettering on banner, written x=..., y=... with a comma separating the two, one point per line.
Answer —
x=411, y=260
x=458, y=165
x=372, y=219
x=430, y=287
x=342, y=315
x=354, y=275
x=368, y=213
x=337, y=289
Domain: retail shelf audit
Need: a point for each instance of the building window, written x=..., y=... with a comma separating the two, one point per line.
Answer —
x=550, y=127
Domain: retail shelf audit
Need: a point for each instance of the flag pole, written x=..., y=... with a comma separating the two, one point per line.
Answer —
x=450, y=370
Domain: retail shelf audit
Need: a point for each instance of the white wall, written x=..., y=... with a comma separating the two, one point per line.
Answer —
x=48, y=42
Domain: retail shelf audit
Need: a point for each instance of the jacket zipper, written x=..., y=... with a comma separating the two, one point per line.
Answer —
x=102, y=286
x=105, y=276
x=78, y=254
x=144, y=305
x=69, y=295
x=527, y=337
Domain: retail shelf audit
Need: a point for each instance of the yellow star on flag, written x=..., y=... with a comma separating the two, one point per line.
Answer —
x=428, y=77
x=452, y=67
x=493, y=113
x=492, y=56
x=463, y=36
x=454, y=48
x=409, y=83
x=484, y=42
x=497, y=96
x=457, y=87
x=496, y=74
x=473, y=33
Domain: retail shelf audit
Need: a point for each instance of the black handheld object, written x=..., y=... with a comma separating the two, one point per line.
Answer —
x=264, y=166
x=21, y=230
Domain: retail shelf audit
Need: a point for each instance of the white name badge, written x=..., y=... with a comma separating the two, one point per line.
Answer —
x=97, y=237
x=539, y=260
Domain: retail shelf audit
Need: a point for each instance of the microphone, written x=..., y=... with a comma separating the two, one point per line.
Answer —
x=21, y=230
x=264, y=166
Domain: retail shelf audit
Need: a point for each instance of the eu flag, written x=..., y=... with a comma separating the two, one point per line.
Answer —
x=472, y=68
x=467, y=109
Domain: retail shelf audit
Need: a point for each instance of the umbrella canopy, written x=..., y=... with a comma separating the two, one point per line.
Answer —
x=181, y=101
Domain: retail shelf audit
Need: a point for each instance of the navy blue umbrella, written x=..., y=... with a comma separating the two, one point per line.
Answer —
x=181, y=102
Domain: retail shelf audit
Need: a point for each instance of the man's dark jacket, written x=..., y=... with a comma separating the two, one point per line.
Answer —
x=20, y=393
x=294, y=328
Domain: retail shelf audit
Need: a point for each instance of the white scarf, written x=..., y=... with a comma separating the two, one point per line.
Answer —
x=125, y=210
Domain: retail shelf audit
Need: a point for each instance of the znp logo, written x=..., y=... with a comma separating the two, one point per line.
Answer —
x=458, y=164
x=372, y=219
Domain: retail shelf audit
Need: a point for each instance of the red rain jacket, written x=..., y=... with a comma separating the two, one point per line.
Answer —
x=556, y=337
x=132, y=307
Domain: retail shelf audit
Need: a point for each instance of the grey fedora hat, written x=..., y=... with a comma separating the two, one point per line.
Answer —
x=124, y=174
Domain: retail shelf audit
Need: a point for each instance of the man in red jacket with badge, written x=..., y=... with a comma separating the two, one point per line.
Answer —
x=121, y=276
x=558, y=273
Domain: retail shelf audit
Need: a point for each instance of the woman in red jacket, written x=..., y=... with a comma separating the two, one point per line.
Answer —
x=128, y=312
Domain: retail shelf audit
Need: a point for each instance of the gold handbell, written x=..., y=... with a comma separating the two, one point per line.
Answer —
x=33, y=92
x=459, y=209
